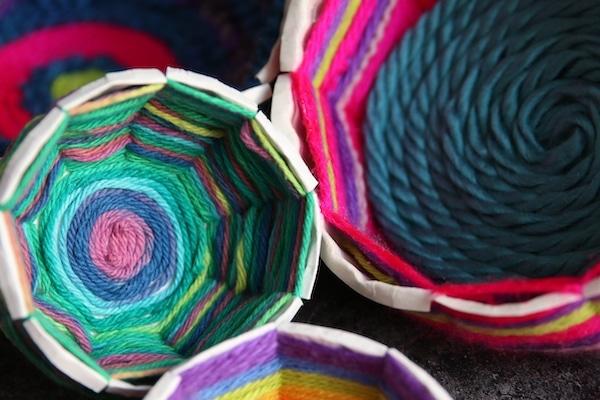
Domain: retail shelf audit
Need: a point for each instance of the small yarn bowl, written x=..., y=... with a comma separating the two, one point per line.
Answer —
x=336, y=73
x=298, y=361
x=148, y=217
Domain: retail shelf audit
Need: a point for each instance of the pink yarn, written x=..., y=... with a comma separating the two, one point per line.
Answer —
x=251, y=144
x=401, y=16
x=121, y=244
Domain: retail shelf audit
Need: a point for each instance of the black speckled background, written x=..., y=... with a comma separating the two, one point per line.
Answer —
x=467, y=372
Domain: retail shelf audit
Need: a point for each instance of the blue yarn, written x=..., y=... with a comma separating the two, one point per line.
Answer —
x=186, y=35
x=3, y=146
x=482, y=140
x=155, y=155
x=159, y=269
x=262, y=248
x=191, y=342
x=340, y=372
x=261, y=371
x=261, y=19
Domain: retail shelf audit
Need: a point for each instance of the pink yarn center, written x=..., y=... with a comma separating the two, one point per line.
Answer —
x=121, y=244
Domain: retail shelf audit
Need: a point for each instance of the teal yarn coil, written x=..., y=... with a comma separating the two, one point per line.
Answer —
x=482, y=140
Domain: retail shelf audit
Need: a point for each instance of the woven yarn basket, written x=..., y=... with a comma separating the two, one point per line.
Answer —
x=455, y=143
x=298, y=361
x=146, y=218
x=50, y=47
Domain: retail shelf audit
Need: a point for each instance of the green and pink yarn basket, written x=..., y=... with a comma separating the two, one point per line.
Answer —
x=146, y=218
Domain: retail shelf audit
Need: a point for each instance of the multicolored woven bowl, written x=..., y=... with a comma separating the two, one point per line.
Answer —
x=456, y=149
x=147, y=218
x=298, y=361
x=50, y=47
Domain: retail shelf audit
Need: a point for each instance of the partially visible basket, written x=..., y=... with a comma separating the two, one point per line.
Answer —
x=146, y=218
x=298, y=361
x=50, y=47
x=405, y=60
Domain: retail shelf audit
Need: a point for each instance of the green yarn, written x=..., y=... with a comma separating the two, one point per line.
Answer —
x=157, y=225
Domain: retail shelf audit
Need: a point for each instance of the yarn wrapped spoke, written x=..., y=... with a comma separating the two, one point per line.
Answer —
x=159, y=223
x=482, y=140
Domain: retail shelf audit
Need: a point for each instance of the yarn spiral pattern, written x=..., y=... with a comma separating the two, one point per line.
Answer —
x=285, y=364
x=157, y=222
x=50, y=47
x=482, y=140
x=344, y=51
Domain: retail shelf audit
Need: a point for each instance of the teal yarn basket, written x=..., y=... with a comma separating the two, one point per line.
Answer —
x=146, y=218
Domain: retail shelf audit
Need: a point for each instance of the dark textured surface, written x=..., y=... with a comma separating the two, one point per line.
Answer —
x=467, y=372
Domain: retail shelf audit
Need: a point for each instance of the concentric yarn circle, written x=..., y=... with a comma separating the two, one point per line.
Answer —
x=117, y=242
x=482, y=140
x=120, y=243
x=159, y=220
x=111, y=272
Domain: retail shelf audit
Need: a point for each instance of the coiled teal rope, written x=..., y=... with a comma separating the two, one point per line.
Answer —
x=482, y=140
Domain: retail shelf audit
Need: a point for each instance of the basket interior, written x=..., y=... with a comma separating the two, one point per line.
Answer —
x=158, y=221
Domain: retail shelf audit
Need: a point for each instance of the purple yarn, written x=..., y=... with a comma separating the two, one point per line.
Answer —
x=330, y=356
x=343, y=138
x=330, y=32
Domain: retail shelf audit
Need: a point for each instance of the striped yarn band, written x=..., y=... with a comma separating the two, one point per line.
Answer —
x=299, y=361
x=347, y=44
x=157, y=222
